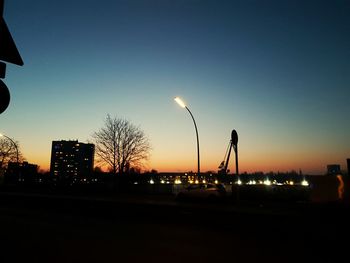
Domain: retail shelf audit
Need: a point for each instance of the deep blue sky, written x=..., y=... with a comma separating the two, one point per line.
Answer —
x=276, y=71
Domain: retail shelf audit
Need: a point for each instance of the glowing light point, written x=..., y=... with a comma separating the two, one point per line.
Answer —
x=305, y=183
x=177, y=181
x=267, y=182
x=180, y=102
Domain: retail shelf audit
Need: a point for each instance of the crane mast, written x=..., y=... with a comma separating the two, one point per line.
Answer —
x=232, y=144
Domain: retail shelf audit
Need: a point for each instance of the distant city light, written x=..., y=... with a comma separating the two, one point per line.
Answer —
x=177, y=181
x=162, y=182
x=204, y=181
x=267, y=182
x=216, y=181
x=305, y=183
x=196, y=182
x=151, y=181
x=239, y=182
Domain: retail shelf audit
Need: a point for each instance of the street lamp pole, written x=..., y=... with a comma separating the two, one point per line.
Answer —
x=195, y=126
x=183, y=105
x=2, y=135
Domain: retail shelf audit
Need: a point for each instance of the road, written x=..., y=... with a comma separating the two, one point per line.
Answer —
x=44, y=228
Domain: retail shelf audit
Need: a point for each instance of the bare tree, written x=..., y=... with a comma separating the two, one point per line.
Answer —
x=120, y=145
x=8, y=152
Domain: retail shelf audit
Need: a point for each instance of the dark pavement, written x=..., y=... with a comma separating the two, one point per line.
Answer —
x=146, y=228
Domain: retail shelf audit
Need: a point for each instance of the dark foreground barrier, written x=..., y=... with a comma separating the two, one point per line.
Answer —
x=284, y=193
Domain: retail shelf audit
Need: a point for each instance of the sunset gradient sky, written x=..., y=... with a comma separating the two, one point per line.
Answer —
x=276, y=71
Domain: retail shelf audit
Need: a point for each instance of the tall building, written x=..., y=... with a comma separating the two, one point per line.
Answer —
x=333, y=169
x=71, y=159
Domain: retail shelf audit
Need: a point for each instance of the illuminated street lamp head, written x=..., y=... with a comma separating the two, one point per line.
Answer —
x=180, y=102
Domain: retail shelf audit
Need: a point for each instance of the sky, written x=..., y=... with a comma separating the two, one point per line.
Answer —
x=277, y=72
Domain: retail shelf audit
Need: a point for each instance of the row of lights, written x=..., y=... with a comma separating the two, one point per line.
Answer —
x=266, y=182
x=178, y=181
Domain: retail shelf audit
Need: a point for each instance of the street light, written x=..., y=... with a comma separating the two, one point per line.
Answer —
x=183, y=105
x=2, y=135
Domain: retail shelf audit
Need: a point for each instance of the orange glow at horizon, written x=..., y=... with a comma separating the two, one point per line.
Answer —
x=188, y=163
x=180, y=160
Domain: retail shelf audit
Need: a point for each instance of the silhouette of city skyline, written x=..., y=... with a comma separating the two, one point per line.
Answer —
x=257, y=75
x=137, y=185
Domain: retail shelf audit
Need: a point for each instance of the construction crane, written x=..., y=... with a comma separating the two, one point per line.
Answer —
x=232, y=144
